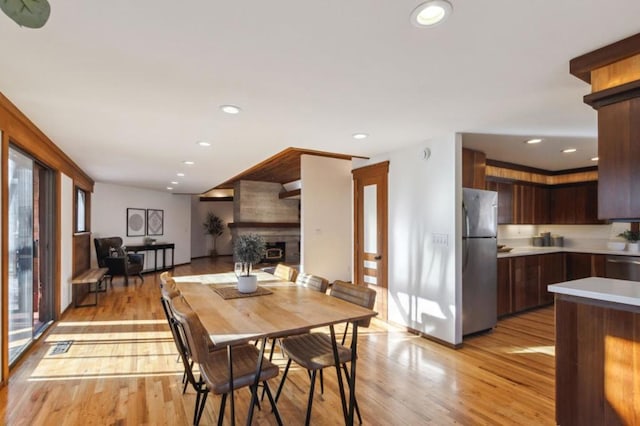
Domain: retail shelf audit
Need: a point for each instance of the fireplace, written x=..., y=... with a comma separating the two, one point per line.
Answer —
x=274, y=252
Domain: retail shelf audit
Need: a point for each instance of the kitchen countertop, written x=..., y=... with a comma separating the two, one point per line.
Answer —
x=527, y=251
x=605, y=289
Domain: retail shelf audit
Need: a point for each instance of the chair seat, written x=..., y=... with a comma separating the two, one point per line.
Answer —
x=314, y=351
x=215, y=370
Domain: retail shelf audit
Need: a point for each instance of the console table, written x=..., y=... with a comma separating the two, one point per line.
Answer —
x=154, y=248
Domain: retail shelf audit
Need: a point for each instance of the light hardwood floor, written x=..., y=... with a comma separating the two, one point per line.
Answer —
x=121, y=370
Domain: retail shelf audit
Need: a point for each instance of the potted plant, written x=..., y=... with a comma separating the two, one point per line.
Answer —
x=632, y=238
x=248, y=249
x=213, y=226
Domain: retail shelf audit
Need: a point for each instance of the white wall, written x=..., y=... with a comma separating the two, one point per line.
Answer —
x=202, y=243
x=326, y=218
x=66, y=241
x=109, y=205
x=425, y=279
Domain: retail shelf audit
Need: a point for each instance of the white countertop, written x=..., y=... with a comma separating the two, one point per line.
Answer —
x=606, y=289
x=527, y=251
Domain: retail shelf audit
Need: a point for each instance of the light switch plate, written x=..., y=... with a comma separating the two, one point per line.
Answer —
x=441, y=240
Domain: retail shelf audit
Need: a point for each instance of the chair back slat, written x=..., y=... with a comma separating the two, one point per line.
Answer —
x=312, y=281
x=285, y=272
x=359, y=295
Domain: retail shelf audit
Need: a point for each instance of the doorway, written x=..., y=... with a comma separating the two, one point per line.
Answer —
x=31, y=228
x=370, y=228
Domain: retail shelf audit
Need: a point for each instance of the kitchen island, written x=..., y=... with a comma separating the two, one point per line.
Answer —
x=597, y=351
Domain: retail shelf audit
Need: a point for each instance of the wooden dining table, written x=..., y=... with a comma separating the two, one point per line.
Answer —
x=289, y=309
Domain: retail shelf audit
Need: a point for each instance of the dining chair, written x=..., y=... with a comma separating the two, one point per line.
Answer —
x=285, y=272
x=163, y=278
x=312, y=281
x=314, y=351
x=221, y=371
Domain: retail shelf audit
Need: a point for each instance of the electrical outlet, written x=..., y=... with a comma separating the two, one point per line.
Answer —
x=440, y=240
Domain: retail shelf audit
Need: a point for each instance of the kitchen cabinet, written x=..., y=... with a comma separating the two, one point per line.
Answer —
x=575, y=203
x=552, y=270
x=531, y=204
x=525, y=287
x=474, y=165
x=584, y=265
x=505, y=200
x=504, y=287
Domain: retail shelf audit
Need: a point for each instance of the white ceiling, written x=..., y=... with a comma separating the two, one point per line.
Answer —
x=127, y=88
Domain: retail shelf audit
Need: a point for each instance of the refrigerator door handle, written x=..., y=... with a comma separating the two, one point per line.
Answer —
x=465, y=254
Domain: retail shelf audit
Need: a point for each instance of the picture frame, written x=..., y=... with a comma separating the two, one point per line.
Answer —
x=155, y=222
x=136, y=222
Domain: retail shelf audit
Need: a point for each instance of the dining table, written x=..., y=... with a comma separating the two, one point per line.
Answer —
x=278, y=308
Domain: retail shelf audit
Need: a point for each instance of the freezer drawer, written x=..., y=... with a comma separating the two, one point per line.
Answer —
x=479, y=284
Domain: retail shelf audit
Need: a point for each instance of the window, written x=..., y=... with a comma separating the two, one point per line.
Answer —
x=81, y=210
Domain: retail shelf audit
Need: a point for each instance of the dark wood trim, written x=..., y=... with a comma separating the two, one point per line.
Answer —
x=264, y=225
x=382, y=167
x=289, y=194
x=204, y=199
x=5, y=258
x=582, y=66
x=613, y=95
x=521, y=168
x=26, y=135
x=283, y=167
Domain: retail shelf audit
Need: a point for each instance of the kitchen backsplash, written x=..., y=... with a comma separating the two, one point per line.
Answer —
x=578, y=236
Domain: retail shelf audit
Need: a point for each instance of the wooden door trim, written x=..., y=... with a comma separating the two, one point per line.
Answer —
x=360, y=176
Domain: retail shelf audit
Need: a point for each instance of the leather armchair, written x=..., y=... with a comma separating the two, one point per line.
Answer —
x=110, y=254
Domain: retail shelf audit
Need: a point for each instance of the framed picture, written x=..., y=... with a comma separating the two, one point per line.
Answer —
x=155, y=222
x=136, y=222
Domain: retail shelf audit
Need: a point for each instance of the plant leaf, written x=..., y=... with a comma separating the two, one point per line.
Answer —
x=27, y=13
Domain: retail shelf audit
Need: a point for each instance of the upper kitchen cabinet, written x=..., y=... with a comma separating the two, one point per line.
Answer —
x=614, y=74
x=574, y=204
x=473, y=169
x=505, y=200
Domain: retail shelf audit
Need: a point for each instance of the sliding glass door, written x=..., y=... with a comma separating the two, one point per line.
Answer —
x=31, y=230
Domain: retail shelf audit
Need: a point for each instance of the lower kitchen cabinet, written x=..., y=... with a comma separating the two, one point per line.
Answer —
x=505, y=305
x=523, y=280
x=525, y=277
x=552, y=271
x=584, y=265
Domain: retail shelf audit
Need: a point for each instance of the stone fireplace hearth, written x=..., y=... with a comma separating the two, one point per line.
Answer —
x=258, y=209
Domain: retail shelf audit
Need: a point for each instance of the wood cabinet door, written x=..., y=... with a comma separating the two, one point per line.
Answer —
x=505, y=200
x=619, y=154
x=552, y=270
x=578, y=266
x=504, y=287
x=563, y=205
x=525, y=282
x=474, y=164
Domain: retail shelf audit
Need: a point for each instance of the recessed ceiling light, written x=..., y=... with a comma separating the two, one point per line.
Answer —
x=174, y=182
x=360, y=135
x=595, y=158
x=532, y=141
x=180, y=174
x=230, y=109
x=569, y=150
x=431, y=13
x=169, y=188
x=204, y=143
x=188, y=163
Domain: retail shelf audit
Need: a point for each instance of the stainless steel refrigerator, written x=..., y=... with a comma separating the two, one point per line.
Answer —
x=479, y=260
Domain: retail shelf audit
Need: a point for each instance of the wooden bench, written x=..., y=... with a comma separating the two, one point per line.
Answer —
x=88, y=277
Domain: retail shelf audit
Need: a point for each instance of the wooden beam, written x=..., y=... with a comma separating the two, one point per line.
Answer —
x=582, y=66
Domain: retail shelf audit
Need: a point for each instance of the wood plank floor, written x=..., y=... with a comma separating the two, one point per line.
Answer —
x=121, y=370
